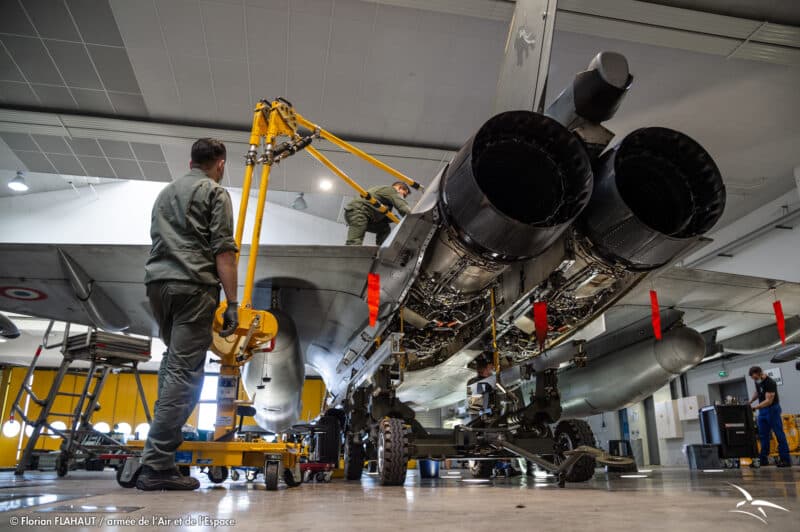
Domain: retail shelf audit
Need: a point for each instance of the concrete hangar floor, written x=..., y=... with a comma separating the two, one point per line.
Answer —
x=657, y=499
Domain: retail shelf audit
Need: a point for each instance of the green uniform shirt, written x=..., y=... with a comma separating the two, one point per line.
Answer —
x=386, y=195
x=192, y=222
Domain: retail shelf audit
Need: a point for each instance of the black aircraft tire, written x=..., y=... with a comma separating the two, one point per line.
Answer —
x=339, y=414
x=330, y=439
x=392, y=452
x=570, y=434
x=353, y=460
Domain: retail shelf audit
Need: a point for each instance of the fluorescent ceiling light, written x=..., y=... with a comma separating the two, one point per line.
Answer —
x=325, y=184
x=18, y=183
x=633, y=476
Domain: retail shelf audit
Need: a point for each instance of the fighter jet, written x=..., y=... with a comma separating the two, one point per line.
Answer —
x=519, y=246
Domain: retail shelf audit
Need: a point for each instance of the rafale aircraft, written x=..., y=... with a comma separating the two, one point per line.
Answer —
x=527, y=238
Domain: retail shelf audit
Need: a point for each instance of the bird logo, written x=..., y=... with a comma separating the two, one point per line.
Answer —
x=755, y=504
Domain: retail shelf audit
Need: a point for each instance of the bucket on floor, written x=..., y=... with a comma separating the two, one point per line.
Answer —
x=428, y=468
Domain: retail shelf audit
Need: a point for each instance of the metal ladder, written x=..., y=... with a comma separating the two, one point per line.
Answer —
x=102, y=360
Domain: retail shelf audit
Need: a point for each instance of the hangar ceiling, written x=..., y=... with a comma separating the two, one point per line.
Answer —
x=116, y=89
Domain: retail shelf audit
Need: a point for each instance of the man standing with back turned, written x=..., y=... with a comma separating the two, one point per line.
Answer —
x=769, y=416
x=193, y=252
x=362, y=217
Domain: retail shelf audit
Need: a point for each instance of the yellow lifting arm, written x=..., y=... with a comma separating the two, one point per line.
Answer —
x=273, y=120
x=327, y=135
x=383, y=209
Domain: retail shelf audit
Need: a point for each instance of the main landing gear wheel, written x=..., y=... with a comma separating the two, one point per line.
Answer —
x=271, y=476
x=392, y=452
x=353, y=459
x=218, y=474
x=571, y=434
x=482, y=468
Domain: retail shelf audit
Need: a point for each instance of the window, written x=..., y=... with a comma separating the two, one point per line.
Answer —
x=209, y=391
x=207, y=408
x=58, y=425
x=207, y=416
x=11, y=428
x=141, y=430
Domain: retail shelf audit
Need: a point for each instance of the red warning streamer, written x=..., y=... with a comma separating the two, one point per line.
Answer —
x=540, y=321
x=779, y=320
x=373, y=296
x=656, y=314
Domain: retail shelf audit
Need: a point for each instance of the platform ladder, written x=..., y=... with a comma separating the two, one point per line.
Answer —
x=104, y=352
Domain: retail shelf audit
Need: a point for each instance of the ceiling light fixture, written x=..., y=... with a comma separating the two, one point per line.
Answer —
x=18, y=183
x=299, y=203
x=325, y=184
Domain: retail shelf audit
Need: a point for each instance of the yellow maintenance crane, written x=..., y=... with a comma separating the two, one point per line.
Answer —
x=274, y=136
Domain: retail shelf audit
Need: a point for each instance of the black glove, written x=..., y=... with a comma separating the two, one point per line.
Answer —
x=230, y=319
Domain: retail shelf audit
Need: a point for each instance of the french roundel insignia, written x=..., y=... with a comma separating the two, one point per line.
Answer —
x=21, y=293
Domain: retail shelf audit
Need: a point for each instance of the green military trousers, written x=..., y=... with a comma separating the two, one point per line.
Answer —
x=360, y=222
x=185, y=313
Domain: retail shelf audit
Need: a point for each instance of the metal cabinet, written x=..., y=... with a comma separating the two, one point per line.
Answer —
x=668, y=423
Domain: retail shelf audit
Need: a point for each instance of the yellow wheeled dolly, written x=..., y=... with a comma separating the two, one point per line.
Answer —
x=272, y=121
x=277, y=461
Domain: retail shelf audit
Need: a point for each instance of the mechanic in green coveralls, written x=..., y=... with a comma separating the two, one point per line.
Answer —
x=361, y=217
x=193, y=253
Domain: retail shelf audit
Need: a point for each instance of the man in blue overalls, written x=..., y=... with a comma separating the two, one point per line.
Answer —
x=769, y=416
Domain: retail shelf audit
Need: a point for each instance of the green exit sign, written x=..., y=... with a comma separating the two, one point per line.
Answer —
x=723, y=373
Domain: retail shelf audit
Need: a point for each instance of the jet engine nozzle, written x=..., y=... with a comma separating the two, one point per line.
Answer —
x=654, y=194
x=515, y=186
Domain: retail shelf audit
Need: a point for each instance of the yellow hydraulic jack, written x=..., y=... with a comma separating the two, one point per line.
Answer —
x=272, y=121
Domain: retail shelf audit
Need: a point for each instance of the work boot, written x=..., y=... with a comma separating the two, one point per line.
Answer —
x=168, y=479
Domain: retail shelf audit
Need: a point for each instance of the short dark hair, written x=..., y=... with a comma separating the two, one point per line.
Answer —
x=483, y=361
x=755, y=370
x=206, y=151
x=402, y=185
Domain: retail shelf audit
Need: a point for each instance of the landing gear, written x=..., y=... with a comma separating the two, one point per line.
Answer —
x=353, y=459
x=328, y=437
x=392, y=452
x=571, y=434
